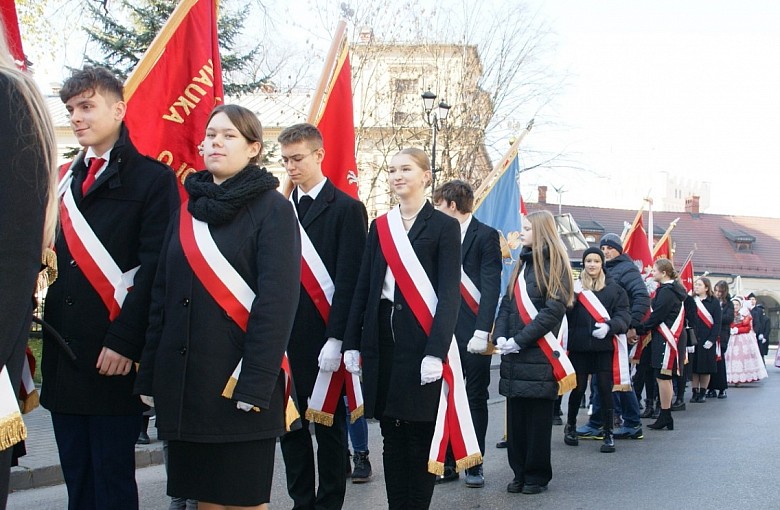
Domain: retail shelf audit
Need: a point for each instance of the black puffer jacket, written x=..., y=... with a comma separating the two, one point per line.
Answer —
x=582, y=323
x=623, y=270
x=528, y=373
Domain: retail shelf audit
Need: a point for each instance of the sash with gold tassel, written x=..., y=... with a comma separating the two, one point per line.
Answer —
x=671, y=335
x=326, y=394
x=551, y=346
x=12, y=428
x=453, y=427
x=231, y=293
x=621, y=378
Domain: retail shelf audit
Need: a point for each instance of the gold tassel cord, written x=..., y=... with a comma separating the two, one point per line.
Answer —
x=357, y=413
x=320, y=417
x=475, y=459
x=291, y=415
x=621, y=387
x=435, y=467
x=230, y=387
x=30, y=402
x=12, y=430
x=567, y=384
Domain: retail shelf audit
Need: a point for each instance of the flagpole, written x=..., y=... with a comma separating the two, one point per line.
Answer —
x=650, y=225
x=493, y=177
x=664, y=237
x=331, y=61
x=636, y=220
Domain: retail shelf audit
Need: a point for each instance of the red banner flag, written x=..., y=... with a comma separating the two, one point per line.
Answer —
x=686, y=274
x=12, y=35
x=175, y=86
x=663, y=250
x=337, y=125
x=635, y=245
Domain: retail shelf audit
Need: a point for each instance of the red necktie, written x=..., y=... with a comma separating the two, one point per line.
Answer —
x=94, y=165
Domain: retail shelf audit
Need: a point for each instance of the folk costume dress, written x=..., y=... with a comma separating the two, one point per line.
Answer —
x=744, y=362
x=242, y=234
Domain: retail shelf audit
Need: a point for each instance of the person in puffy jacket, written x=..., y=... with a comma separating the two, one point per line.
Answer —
x=532, y=310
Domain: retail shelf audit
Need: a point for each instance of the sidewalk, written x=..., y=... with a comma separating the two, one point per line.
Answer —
x=41, y=466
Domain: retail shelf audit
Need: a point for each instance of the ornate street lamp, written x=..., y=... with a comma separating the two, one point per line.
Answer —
x=436, y=121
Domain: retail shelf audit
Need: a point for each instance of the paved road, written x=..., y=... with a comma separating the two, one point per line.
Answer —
x=722, y=455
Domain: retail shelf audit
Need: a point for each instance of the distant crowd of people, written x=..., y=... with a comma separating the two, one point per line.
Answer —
x=240, y=309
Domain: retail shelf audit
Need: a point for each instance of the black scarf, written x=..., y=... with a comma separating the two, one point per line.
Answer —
x=218, y=203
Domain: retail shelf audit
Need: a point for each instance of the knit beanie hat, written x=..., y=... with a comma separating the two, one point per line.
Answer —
x=595, y=250
x=612, y=240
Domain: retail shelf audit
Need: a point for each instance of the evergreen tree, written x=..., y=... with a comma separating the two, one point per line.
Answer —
x=123, y=41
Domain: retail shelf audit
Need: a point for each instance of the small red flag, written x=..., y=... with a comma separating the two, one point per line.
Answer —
x=12, y=35
x=175, y=86
x=337, y=125
x=686, y=274
x=635, y=245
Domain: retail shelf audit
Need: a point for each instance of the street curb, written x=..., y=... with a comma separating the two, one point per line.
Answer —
x=33, y=478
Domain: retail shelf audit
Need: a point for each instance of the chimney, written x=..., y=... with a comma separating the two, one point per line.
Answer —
x=692, y=205
x=542, y=195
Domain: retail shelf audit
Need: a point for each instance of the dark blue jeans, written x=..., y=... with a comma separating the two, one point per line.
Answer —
x=358, y=432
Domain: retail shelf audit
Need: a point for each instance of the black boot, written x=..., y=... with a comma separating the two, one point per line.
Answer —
x=664, y=420
x=570, y=433
x=608, y=446
x=711, y=394
x=648, y=412
x=702, y=396
x=695, y=397
x=679, y=404
x=362, y=472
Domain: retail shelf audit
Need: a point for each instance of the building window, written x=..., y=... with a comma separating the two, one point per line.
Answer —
x=401, y=118
x=406, y=86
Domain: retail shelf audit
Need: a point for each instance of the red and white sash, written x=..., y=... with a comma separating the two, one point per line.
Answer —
x=621, y=378
x=469, y=292
x=671, y=335
x=28, y=393
x=229, y=289
x=549, y=344
x=100, y=269
x=326, y=394
x=703, y=313
x=454, y=427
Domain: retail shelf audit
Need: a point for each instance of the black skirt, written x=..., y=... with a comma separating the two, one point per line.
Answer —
x=591, y=362
x=238, y=474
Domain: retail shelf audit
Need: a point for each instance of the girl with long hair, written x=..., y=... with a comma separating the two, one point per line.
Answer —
x=666, y=323
x=703, y=313
x=718, y=382
x=534, y=367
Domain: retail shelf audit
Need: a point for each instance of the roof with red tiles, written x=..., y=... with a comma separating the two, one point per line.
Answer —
x=714, y=237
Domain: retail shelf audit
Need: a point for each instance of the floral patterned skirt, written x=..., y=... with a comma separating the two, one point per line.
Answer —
x=744, y=362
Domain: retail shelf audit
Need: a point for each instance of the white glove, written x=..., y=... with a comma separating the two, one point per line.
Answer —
x=146, y=399
x=508, y=346
x=690, y=349
x=602, y=328
x=761, y=337
x=352, y=361
x=478, y=343
x=244, y=406
x=733, y=331
x=707, y=344
x=430, y=370
x=330, y=356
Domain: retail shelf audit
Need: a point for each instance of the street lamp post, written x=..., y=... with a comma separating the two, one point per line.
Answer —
x=435, y=119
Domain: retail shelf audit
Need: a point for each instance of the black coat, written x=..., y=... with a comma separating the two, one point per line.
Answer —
x=623, y=270
x=129, y=208
x=528, y=373
x=193, y=345
x=22, y=209
x=761, y=326
x=726, y=318
x=481, y=259
x=703, y=360
x=435, y=238
x=336, y=224
x=666, y=306
x=582, y=324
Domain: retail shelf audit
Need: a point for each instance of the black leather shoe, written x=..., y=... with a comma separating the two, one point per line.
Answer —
x=450, y=475
x=475, y=477
x=722, y=394
x=532, y=488
x=678, y=405
x=501, y=444
x=711, y=394
x=557, y=420
x=515, y=487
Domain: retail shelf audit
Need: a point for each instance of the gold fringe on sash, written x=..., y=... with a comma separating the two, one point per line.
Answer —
x=230, y=387
x=435, y=467
x=475, y=459
x=567, y=384
x=666, y=372
x=320, y=417
x=357, y=413
x=12, y=430
x=291, y=415
x=621, y=387
x=30, y=402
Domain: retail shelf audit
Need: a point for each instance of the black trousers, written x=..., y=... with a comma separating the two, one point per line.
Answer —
x=408, y=483
x=97, y=454
x=644, y=378
x=604, y=381
x=298, y=454
x=529, y=428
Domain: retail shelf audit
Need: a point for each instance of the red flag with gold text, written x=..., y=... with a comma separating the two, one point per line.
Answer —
x=635, y=245
x=175, y=86
x=337, y=125
x=12, y=35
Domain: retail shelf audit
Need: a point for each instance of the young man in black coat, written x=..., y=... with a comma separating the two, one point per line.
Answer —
x=481, y=262
x=336, y=224
x=761, y=324
x=126, y=200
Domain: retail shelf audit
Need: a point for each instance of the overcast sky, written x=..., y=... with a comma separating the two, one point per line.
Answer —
x=686, y=87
